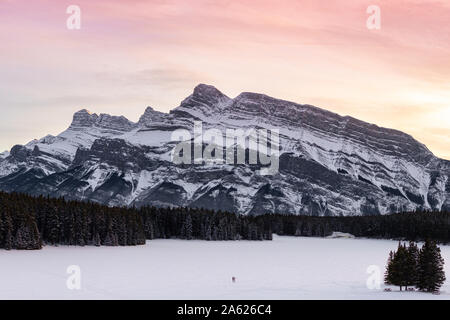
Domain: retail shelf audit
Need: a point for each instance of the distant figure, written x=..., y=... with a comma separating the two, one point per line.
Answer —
x=233, y=279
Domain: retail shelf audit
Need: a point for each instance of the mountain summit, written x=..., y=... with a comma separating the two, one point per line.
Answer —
x=329, y=164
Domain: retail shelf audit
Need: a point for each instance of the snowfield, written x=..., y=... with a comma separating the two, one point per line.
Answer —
x=285, y=268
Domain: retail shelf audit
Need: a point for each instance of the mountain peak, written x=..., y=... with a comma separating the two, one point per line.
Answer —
x=84, y=118
x=150, y=115
x=87, y=119
x=84, y=111
x=205, y=99
x=204, y=90
x=119, y=123
x=328, y=164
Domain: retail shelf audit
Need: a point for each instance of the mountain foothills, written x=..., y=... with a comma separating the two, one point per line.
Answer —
x=329, y=165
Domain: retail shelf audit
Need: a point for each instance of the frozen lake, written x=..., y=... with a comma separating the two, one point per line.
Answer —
x=285, y=268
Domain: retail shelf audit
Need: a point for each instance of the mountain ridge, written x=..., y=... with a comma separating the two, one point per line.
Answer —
x=329, y=164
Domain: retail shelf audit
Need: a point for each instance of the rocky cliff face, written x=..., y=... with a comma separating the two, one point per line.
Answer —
x=329, y=164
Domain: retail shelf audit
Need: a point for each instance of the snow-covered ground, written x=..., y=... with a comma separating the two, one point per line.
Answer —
x=286, y=268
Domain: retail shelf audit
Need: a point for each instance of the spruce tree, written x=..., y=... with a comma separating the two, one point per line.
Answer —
x=389, y=274
x=431, y=273
x=187, y=228
x=402, y=260
x=8, y=238
x=412, y=264
x=397, y=272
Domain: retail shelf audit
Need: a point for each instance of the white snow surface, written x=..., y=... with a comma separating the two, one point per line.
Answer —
x=4, y=154
x=285, y=268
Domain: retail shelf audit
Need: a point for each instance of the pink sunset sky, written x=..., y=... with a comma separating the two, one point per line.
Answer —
x=134, y=53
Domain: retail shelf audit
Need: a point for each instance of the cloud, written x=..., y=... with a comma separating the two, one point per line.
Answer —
x=131, y=53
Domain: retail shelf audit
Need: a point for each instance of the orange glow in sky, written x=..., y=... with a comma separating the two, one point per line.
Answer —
x=131, y=54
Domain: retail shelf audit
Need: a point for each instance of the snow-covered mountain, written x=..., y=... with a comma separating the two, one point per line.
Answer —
x=329, y=164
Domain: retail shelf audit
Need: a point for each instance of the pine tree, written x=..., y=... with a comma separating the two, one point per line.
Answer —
x=402, y=258
x=97, y=241
x=390, y=272
x=398, y=270
x=431, y=273
x=186, y=229
x=412, y=264
x=8, y=238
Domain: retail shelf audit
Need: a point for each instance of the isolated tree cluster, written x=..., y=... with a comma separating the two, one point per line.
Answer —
x=411, y=267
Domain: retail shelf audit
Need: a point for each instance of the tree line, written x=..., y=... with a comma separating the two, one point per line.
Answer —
x=28, y=222
x=410, y=226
